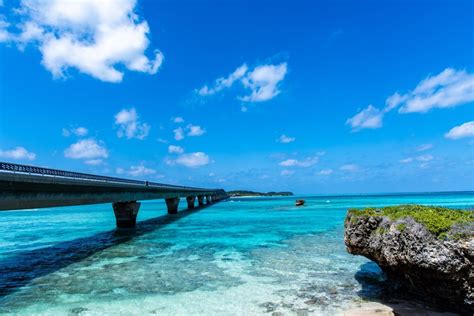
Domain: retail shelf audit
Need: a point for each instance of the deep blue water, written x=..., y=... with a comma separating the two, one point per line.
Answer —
x=244, y=256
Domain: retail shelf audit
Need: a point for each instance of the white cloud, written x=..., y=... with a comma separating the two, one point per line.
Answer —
x=130, y=126
x=94, y=162
x=178, y=133
x=424, y=147
x=349, y=168
x=449, y=88
x=178, y=119
x=326, y=172
x=18, y=153
x=161, y=140
x=393, y=101
x=370, y=117
x=406, y=160
x=287, y=172
x=5, y=36
x=81, y=131
x=263, y=81
x=137, y=171
x=86, y=149
x=307, y=162
x=424, y=158
x=195, y=130
x=224, y=82
x=191, y=160
x=172, y=149
x=421, y=158
x=78, y=131
x=98, y=38
x=461, y=131
x=286, y=139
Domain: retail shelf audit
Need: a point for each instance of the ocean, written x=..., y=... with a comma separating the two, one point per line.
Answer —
x=242, y=256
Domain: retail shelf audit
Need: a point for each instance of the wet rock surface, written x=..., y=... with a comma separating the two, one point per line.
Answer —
x=438, y=270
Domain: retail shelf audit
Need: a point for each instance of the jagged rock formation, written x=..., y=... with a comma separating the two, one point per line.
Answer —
x=434, y=263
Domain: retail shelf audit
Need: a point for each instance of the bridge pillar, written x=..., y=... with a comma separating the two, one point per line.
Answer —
x=190, y=200
x=126, y=213
x=172, y=205
x=201, y=200
x=208, y=199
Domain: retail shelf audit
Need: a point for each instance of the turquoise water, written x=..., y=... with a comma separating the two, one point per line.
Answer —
x=243, y=256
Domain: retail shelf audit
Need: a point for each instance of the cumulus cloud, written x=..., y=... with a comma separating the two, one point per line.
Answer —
x=287, y=172
x=449, y=88
x=421, y=158
x=307, y=162
x=191, y=160
x=195, y=130
x=130, y=126
x=406, y=160
x=172, y=149
x=5, y=36
x=141, y=170
x=224, y=82
x=326, y=172
x=370, y=117
x=18, y=153
x=94, y=162
x=178, y=119
x=424, y=147
x=78, y=131
x=178, y=133
x=424, y=158
x=286, y=139
x=98, y=38
x=461, y=131
x=349, y=168
x=86, y=149
x=137, y=171
x=262, y=81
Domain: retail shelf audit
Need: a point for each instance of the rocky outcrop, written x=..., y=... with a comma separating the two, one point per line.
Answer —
x=440, y=270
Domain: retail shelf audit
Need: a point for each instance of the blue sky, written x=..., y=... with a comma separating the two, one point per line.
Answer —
x=326, y=97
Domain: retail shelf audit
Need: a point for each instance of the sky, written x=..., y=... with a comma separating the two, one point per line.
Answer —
x=321, y=97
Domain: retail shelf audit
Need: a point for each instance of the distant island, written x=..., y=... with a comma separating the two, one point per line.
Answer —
x=252, y=193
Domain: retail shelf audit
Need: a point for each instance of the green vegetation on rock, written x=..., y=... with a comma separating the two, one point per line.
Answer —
x=401, y=227
x=437, y=220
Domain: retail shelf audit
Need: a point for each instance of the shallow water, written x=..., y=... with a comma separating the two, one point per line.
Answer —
x=245, y=256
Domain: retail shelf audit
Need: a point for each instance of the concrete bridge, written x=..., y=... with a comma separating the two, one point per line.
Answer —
x=25, y=187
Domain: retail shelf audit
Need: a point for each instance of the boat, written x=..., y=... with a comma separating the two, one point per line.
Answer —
x=299, y=202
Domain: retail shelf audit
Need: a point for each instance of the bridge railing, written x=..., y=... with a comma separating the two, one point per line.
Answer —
x=7, y=167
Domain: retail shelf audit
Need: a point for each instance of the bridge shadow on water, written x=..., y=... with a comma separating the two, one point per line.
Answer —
x=20, y=268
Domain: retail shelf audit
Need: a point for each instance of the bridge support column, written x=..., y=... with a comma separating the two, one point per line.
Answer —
x=190, y=200
x=172, y=205
x=201, y=200
x=208, y=199
x=126, y=213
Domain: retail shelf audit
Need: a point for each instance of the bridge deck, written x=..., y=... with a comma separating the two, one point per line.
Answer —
x=24, y=187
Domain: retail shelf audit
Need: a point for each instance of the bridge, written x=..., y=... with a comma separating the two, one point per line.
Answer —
x=26, y=187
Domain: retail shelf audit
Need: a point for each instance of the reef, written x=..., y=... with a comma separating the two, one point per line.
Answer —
x=426, y=250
